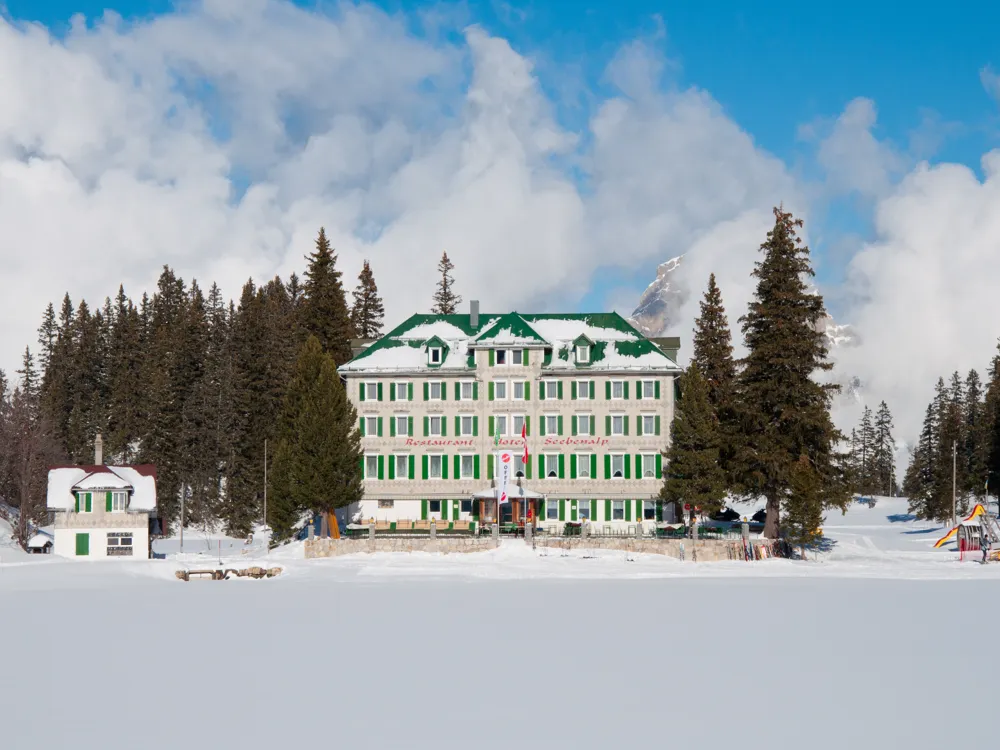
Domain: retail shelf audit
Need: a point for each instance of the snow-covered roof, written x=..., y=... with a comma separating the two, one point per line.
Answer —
x=616, y=344
x=63, y=480
x=38, y=541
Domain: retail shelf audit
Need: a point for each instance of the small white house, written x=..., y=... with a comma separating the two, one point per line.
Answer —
x=102, y=511
x=40, y=544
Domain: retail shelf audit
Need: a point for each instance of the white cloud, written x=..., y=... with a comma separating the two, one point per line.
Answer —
x=991, y=82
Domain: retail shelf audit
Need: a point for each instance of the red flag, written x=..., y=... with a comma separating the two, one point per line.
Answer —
x=524, y=439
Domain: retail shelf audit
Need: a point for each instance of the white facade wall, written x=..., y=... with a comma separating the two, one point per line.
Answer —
x=65, y=542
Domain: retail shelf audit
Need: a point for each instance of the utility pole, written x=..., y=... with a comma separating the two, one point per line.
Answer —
x=183, y=495
x=265, y=484
x=954, y=464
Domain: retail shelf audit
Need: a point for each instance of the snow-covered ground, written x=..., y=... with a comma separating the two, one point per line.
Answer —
x=511, y=648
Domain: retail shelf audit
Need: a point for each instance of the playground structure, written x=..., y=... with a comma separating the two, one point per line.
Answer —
x=222, y=574
x=978, y=528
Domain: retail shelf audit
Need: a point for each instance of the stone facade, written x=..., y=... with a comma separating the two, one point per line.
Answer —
x=444, y=545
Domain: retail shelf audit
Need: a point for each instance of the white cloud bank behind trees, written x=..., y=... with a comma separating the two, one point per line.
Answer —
x=218, y=138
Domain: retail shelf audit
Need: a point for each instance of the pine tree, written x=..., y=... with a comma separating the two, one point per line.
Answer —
x=29, y=376
x=974, y=450
x=324, y=307
x=991, y=426
x=805, y=505
x=368, y=311
x=883, y=453
x=48, y=332
x=866, y=447
x=694, y=473
x=446, y=302
x=786, y=413
x=918, y=482
x=318, y=454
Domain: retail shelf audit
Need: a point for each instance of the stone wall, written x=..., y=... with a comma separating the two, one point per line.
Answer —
x=704, y=551
x=444, y=545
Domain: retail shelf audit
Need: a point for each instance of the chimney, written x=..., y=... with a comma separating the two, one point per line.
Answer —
x=474, y=314
x=98, y=450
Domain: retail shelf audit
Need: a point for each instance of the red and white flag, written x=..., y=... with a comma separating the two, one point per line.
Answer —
x=524, y=439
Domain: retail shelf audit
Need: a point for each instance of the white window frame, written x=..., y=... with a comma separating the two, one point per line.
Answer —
x=513, y=389
x=368, y=473
x=590, y=424
x=555, y=423
x=621, y=388
x=551, y=465
x=82, y=502
x=618, y=510
x=619, y=457
x=371, y=425
x=496, y=387
x=406, y=466
x=552, y=509
x=583, y=386
x=518, y=462
x=119, y=501
x=523, y=353
x=430, y=424
x=430, y=390
x=431, y=351
x=652, y=390
x=461, y=465
x=405, y=432
x=583, y=353
x=585, y=458
x=648, y=505
x=434, y=513
x=371, y=390
x=652, y=423
x=496, y=424
x=406, y=391
x=461, y=390
x=618, y=416
x=430, y=465
x=514, y=431
x=651, y=457
x=583, y=510
x=384, y=504
x=461, y=425
x=554, y=395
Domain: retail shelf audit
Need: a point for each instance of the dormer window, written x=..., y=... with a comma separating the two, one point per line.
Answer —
x=434, y=355
x=583, y=354
x=119, y=501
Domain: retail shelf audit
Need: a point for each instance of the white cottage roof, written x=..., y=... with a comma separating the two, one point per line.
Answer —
x=63, y=480
x=38, y=541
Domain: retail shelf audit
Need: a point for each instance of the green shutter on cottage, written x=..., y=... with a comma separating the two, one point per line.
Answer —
x=458, y=426
x=423, y=507
x=562, y=466
x=607, y=425
x=638, y=466
x=475, y=425
x=658, y=471
x=527, y=390
x=559, y=420
x=593, y=466
x=491, y=426
x=411, y=466
x=475, y=390
x=492, y=358
x=527, y=426
x=381, y=466
x=458, y=391
x=392, y=426
x=572, y=467
x=89, y=498
x=628, y=510
x=363, y=427
x=572, y=424
x=444, y=510
x=607, y=466
x=475, y=466
x=392, y=467
x=380, y=426
x=379, y=390
x=592, y=390
x=409, y=391
x=607, y=510
x=82, y=544
x=409, y=426
x=627, y=464
x=559, y=390
x=527, y=469
x=107, y=506
x=593, y=508
x=458, y=468
x=572, y=391
x=572, y=510
x=444, y=467
x=444, y=426
x=657, y=425
x=361, y=391
x=361, y=461
x=541, y=391
x=656, y=389
x=490, y=389
x=541, y=465
x=427, y=426
x=423, y=470
x=489, y=465
x=638, y=394
x=625, y=389
x=562, y=509
x=77, y=508
x=625, y=424
x=607, y=390
x=392, y=391
x=427, y=391
x=541, y=426
x=638, y=425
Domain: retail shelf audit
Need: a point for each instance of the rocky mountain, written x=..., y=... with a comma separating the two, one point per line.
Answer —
x=660, y=304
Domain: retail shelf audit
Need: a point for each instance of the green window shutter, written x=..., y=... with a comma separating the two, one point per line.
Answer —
x=607, y=425
x=423, y=472
x=361, y=461
x=572, y=510
x=628, y=465
x=656, y=389
x=541, y=391
x=592, y=391
x=541, y=425
x=361, y=391
x=490, y=387
x=562, y=466
x=559, y=390
x=572, y=424
x=628, y=510
x=458, y=391
x=475, y=466
x=409, y=426
x=625, y=424
x=475, y=425
x=607, y=510
x=527, y=390
x=83, y=544
x=392, y=392
x=427, y=427
x=527, y=425
x=107, y=498
x=541, y=466
x=638, y=425
x=572, y=391
x=458, y=426
x=392, y=426
x=562, y=509
x=658, y=471
x=625, y=389
x=559, y=420
x=378, y=392
x=411, y=466
x=492, y=358
x=444, y=426
x=638, y=467
x=392, y=467
x=409, y=392
x=427, y=391
x=444, y=510
x=475, y=390
x=89, y=498
x=444, y=391
x=489, y=465
x=423, y=507
x=381, y=467
x=77, y=502
x=572, y=468
x=363, y=428
x=380, y=426
x=593, y=466
x=657, y=424
x=527, y=469
x=492, y=425
x=444, y=467
x=607, y=391
x=607, y=466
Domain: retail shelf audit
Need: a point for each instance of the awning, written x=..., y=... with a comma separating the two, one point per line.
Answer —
x=514, y=493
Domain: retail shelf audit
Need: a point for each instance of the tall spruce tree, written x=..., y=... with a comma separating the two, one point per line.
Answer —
x=918, y=481
x=367, y=312
x=785, y=411
x=324, y=310
x=694, y=473
x=805, y=506
x=974, y=450
x=991, y=426
x=866, y=448
x=883, y=453
x=446, y=302
x=48, y=332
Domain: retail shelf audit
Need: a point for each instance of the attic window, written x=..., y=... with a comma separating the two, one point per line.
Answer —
x=501, y=356
x=583, y=353
x=517, y=357
x=434, y=355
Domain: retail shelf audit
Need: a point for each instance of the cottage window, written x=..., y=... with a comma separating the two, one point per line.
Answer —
x=617, y=466
x=118, y=502
x=501, y=356
x=436, y=463
x=435, y=355
x=583, y=465
x=648, y=510
x=617, y=389
x=500, y=425
x=465, y=422
x=583, y=510
x=434, y=425
x=551, y=424
x=618, y=510
x=466, y=506
x=371, y=426
x=648, y=389
x=551, y=389
x=466, y=391
x=617, y=424
x=583, y=354
x=519, y=390
x=517, y=422
x=500, y=390
x=402, y=466
x=435, y=390
x=519, y=465
x=466, y=465
x=552, y=466
x=648, y=424
x=371, y=466
x=584, y=424
x=517, y=357
x=552, y=510
x=371, y=391
x=386, y=503
x=434, y=506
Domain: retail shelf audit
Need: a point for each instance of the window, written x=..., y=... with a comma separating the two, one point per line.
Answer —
x=647, y=463
x=617, y=424
x=402, y=392
x=617, y=389
x=583, y=390
x=648, y=510
x=583, y=465
x=371, y=466
x=552, y=466
x=519, y=465
x=500, y=425
x=118, y=502
x=648, y=424
x=386, y=503
x=402, y=425
x=434, y=506
x=583, y=354
x=519, y=390
x=435, y=391
x=402, y=467
x=551, y=389
x=648, y=389
x=119, y=543
x=551, y=424
x=501, y=356
x=618, y=510
x=584, y=424
x=618, y=466
x=466, y=391
x=466, y=465
x=517, y=357
x=466, y=506
x=500, y=390
x=517, y=423
x=552, y=510
x=434, y=425
x=83, y=502
x=371, y=391
x=465, y=424
x=583, y=510
x=436, y=462
x=371, y=426
x=434, y=355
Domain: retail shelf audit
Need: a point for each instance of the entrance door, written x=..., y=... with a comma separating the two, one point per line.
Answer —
x=506, y=512
x=82, y=544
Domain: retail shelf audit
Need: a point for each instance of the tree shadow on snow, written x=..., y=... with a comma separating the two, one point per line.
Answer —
x=935, y=530
x=901, y=517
